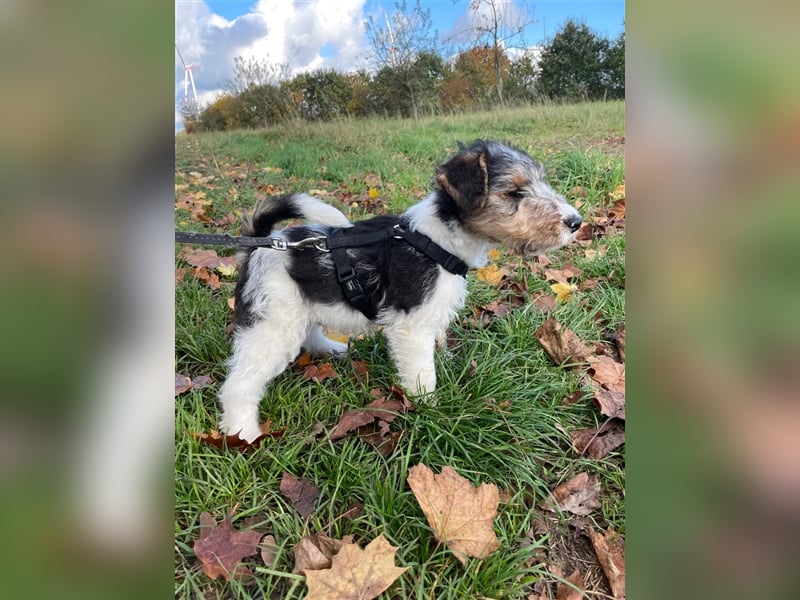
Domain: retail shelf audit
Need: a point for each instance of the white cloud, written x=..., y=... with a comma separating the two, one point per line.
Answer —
x=279, y=31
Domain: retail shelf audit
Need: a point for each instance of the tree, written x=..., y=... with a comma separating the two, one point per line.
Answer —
x=254, y=72
x=473, y=79
x=520, y=83
x=499, y=25
x=325, y=93
x=406, y=54
x=572, y=65
x=614, y=68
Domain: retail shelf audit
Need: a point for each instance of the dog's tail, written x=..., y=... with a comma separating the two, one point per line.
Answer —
x=268, y=212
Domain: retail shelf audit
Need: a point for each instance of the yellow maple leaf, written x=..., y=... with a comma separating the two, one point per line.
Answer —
x=226, y=270
x=619, y=192
x=563, y=291
x=491, y=274
x=494, y=254
x=373, y=193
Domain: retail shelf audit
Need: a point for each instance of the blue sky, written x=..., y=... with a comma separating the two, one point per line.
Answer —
x=312, y=34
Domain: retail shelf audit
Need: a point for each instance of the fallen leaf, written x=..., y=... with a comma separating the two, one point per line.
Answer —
x=545, y=302
x=383, y=409
x=301, y=492
x=221, y=548
x=597, y=442
x=610, y=550
x=316, y=551
x=563, y=291
x=360, y=368
x=182, y=384
x=460, y=515
x=493, y=254
x=579, y=495
x=619, y=342
x=319, y=373
x=562, y=344
x=215, y=438
x=491, y=274
x=211, y=279
x=226, y=270
x=568, y=271
x=356, y=574
x=350, y=421
x=568, y=591
x=611, y=403
x=269, y=550
x=180, y=274
x=232, y=303
x=607, y=372
x=208, y=258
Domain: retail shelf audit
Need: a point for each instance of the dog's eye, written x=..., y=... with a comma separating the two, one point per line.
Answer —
x=515, y=194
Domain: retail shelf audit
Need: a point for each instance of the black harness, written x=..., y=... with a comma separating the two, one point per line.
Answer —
x=337, y=242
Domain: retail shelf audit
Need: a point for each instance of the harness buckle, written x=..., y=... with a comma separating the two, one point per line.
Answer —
x=398, y=231
x=280, y=244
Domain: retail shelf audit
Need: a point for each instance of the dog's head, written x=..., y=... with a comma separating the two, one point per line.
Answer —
x=500, y=193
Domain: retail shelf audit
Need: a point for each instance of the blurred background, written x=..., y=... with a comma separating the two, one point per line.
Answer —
x=86, y=349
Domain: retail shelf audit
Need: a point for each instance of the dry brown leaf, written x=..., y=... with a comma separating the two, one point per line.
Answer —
x=383, y=408
x=210, y=278
x=208, y=258
x=611, y=404
x=461, y=515
x=562, y=344
x=221, y=548
x=610, y=550
x=545, y=302
x=619, y=342
x=316, y=551
x=350, y=421
x=607, y=372
x=597, y=442
x=356, y=574
x=182, y=384
x=269, y=550
x=301, y=493
x=565, y=591
x=319, y=373
x=562, y=275
x=215, y=438
x=579, y=495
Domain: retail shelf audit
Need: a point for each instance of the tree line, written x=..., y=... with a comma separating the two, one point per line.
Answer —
x=411, y=77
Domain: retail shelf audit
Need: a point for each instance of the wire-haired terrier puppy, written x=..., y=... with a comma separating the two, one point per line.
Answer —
x=402, y=273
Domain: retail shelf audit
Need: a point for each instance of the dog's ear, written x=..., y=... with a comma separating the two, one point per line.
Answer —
x=465, y=178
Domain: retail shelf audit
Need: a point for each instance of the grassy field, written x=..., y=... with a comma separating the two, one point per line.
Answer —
x=501, y=416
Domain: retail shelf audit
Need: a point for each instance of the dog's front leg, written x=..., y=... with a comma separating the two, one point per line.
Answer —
x=412, y=351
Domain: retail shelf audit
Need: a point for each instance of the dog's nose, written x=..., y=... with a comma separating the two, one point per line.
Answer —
x=573, y=222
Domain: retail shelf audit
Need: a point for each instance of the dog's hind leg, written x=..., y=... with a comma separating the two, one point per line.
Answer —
x=317, y=343
x=261, y=352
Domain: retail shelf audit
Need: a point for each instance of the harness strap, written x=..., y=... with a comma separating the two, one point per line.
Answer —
x=339, y=240
x=434, y=251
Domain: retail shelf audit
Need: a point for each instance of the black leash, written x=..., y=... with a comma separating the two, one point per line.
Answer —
x=226, y=239
x=337, y=242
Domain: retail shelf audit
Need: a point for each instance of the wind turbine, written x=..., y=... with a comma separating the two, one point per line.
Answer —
x=188, y=78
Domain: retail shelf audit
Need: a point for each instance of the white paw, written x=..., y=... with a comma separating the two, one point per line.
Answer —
x=247, y=431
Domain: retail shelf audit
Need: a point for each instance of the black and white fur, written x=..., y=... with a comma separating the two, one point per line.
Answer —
x=488, y=193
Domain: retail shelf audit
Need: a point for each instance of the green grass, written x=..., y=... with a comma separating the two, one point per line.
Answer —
x=499, y=417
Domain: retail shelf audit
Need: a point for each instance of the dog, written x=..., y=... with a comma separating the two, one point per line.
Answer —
x=487, y=194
